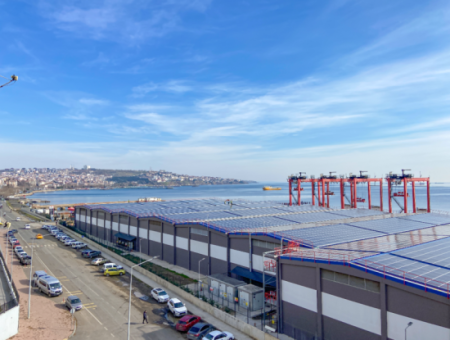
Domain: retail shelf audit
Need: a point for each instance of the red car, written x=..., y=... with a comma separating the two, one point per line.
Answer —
x=186, y=322
x=17, y=244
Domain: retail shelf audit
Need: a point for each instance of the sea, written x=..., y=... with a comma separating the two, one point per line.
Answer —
x=439, y=194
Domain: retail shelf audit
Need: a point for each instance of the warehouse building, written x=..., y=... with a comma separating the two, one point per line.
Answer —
x=340, y=274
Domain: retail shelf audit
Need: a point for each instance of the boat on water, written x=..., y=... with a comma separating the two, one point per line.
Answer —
x=271, y=188
x=329, y=193
x=296, y=189
x=360, y=200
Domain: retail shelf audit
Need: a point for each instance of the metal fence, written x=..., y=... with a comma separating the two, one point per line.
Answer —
x=14, y=294
x=258, y=318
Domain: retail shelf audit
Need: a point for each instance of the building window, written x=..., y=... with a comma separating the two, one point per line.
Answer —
x=158, y=223
x=266, y=245
x=199, y=232
x=350, y=280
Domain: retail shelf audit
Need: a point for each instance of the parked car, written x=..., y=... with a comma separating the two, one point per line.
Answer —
x=114, y=271
x=214, y=335
x=18, y=248
x=21, y=254
x=49, y=285
x=13, y=240
x=27, y=226
x=186, y=322
x=199, y=330
x=13, y=231
x=92, y=253
x=107, y=266
x=160, y=295
x=37, y=274
x=16, y=245
x=79, y=245
x=98, y=261
x=73, y=302
x=25, y=260
x=69, y=242
x=176, y=307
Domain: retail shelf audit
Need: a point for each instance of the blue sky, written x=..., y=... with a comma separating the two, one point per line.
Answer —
x=243, y=89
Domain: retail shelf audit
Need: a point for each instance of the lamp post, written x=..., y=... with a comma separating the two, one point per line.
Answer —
x=31, y=271
x=409, y=324
x=131, y=283
x=140, y=249
x=199, y=282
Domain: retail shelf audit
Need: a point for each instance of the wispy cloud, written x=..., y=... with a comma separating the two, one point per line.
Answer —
x=77, y=106
x=173, y=86
x=119, y=20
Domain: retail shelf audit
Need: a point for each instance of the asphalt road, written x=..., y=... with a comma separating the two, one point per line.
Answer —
x=105, y=300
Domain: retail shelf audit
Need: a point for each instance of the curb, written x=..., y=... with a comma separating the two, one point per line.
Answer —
x=74, y=329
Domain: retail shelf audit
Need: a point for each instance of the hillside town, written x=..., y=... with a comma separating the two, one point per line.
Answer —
x=32, y=179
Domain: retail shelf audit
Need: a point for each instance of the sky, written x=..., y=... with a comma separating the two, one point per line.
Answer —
x=254, y=90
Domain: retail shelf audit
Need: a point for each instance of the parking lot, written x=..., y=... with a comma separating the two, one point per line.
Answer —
x=105, y=299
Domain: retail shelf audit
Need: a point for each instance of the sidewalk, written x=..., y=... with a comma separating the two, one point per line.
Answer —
x=49, y=320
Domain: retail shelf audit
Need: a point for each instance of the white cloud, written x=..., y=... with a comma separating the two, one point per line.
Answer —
x=127, y=21
x=172, y=86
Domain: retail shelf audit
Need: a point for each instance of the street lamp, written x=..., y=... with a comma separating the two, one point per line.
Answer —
x=409, y=324
x=199, y=282
x=131, y=283
x=31, y=271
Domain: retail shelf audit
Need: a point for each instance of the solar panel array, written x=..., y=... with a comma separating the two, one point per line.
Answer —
x=391, y=225
x=387, y=243
x=436, y=253
x=312, y=217
x=432, y=218
x=359, y=212
x=331, y=234
x=406, y=269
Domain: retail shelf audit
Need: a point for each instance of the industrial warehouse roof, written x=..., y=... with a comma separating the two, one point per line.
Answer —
x=411, y=249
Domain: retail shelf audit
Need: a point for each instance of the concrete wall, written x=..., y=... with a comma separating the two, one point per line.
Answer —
x=9, y=323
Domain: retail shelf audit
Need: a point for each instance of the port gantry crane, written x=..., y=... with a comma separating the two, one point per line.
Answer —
x=403, y=179
x=323, y=188
x=13, y=79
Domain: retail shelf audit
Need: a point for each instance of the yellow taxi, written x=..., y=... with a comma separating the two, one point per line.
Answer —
x=39, y=236
x=114, y=271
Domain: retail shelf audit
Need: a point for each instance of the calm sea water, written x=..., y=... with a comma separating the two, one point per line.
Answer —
x=440, y=194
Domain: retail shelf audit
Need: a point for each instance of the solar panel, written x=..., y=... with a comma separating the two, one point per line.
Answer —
x=358, y=212
x=411, y=270
x=250, y=223
x=436, y=253
x=387, y=243
x=390, y=225
x=201, y=215
x=307, y=207
x=311, y=217
x=433, y=218
x=330, y=234
x=440, y=230
x=257, y=211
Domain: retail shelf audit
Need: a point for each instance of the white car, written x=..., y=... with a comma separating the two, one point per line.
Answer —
x=12, y=240
x=176, y=307
x=21, y=253
x=160, y=295
x=18, y=248
x=17, y=218
x=69, y=242
x=27, y=226
x=80, y=245
x=214, y=335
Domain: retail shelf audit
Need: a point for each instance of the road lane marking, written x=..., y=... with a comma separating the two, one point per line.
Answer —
x=87, y=310
x=106, y=328
x=112, y=335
